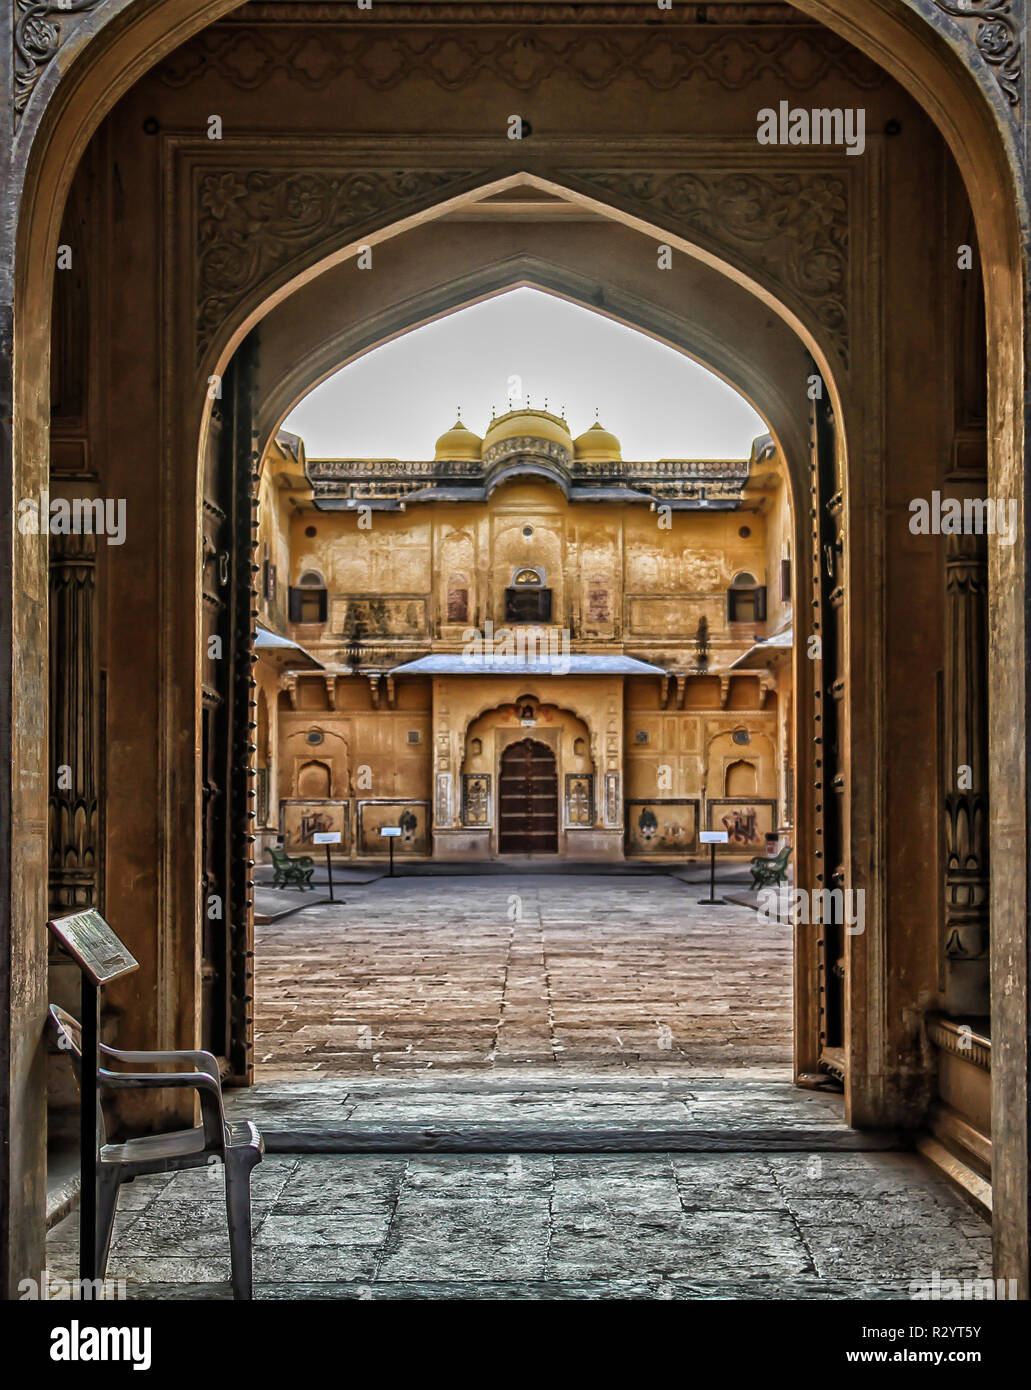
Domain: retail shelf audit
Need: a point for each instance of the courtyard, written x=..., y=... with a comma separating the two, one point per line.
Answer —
x=546, y=1086
x=550, y=971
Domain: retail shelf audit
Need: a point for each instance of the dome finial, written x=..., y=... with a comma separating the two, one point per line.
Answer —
x=545, y=402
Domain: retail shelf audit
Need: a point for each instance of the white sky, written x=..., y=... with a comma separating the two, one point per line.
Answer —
x=396, y=400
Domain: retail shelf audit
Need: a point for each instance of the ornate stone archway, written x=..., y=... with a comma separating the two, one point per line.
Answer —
x=969, y=91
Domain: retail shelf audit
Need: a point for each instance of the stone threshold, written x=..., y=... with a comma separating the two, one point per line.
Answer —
x=503, y=1138
x=62, y=1180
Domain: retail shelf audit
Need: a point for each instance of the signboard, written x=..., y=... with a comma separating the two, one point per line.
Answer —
x=713, y=837
x=326, y=837
x=390, y=830
x=93, y=946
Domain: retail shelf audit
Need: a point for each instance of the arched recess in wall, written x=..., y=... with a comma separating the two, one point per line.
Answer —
x=314, y=781
x=575, y=732
x=540, y=695
x=752, y=765
x=740, y=779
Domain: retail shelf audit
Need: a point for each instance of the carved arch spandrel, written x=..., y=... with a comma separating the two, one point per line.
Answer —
x=252, y=225
x=787, y=227
x=260, y=225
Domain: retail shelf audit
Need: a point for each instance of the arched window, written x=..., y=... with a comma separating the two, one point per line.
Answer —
x=527, y=600
x=308, y=599
x=746, y=599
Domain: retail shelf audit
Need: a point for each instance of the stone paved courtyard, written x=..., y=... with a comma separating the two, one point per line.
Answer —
x=440, y=1061
x=561, y=971
x=539, y=1226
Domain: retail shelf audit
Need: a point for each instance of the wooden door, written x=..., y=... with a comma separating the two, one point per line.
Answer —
x=528, y=799
x=830, y=690
x=227, y=719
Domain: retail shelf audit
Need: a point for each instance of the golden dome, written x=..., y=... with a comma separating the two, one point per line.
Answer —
x=458, y=443
x=536, y=424
x=598, y=445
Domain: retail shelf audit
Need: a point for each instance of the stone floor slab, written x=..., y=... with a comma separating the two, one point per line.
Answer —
x=527, y=1227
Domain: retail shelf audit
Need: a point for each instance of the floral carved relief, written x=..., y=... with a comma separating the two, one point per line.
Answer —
x=788, y=228
x=792, y=228
x=38, y=34
x=997, y=38
x=252, y=224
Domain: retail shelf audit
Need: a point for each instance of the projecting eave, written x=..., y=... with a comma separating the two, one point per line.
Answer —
x=611, y=494
x=766, y=653
x=280, y=652
x=459, y=664
x=351, y=504
x=696, y=504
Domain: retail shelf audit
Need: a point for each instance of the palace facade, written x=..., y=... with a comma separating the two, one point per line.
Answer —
x=524, y=646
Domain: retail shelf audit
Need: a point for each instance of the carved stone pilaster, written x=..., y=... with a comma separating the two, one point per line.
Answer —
x=74, y=848
x=965, y=925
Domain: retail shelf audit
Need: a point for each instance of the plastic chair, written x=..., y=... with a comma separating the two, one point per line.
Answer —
x=238, y=1144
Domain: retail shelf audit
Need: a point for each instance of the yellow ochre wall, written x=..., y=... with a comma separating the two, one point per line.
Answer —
x=625, y=580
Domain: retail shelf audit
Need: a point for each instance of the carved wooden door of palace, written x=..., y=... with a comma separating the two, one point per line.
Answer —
x=528, y=799
x=227, y=719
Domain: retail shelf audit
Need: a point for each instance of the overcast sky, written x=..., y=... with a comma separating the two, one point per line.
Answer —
x=397, y=399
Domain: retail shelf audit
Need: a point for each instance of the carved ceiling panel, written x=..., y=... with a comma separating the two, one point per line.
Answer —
x=385, y=56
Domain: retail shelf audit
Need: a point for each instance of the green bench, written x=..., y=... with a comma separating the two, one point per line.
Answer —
x=767, y=872
x=291, y=870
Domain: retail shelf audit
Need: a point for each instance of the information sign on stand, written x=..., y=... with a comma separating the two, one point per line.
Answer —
x=327, y=838
x=392, y=832
x=712, y=838
x=101, y=958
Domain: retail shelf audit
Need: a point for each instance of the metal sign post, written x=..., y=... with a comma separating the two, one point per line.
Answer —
x=392, y=832
x=327, y=838
x=712, y=838
x=101, y=957
x=89, y=1140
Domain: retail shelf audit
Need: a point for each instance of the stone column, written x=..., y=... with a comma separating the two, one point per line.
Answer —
x=74, y=830
x=965, y=924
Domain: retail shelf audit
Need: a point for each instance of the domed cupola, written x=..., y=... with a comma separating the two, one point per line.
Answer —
x=458, y=443
x=528, y=432
x=597, y=445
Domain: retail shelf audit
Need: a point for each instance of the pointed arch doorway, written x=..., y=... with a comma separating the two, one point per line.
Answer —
x=528, y=799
